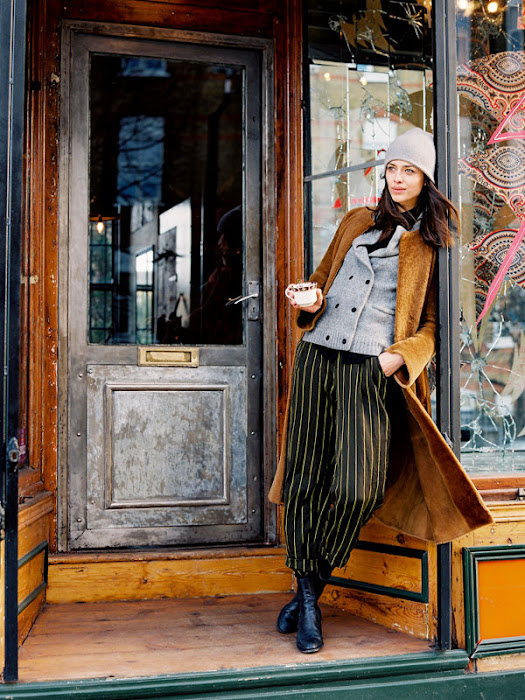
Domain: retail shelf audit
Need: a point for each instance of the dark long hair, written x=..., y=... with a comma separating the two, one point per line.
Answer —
x=435, y=209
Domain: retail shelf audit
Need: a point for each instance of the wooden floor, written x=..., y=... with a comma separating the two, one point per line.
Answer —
x=156, y=637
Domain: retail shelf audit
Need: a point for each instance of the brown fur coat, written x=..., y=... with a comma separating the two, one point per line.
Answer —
x=428, y=493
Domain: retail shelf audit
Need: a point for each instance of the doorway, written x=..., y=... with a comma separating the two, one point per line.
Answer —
x=162, y=282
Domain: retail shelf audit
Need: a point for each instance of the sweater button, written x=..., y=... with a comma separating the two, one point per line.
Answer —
x=337, y=306
x=367, y=282
x=328, y=337
x=344, y=341
x=354, y=309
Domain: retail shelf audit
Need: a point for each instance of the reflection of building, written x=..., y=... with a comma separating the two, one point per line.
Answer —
x=178, y=156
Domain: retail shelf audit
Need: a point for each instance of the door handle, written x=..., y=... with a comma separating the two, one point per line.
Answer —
x=237, y=300
x=253, y=306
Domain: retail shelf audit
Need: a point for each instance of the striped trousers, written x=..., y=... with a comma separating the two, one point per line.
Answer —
x=337, y=454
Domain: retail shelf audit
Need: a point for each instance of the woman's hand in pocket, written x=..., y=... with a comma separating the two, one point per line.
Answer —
x=390, y=362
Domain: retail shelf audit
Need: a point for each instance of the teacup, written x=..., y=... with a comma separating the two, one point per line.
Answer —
x=303, y=293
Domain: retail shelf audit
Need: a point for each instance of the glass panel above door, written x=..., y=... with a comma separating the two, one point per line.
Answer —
x=491, y=108
x=166, y=228
x=370, y=72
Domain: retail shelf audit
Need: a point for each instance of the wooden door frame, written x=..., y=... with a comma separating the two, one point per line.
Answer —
x=265, y=48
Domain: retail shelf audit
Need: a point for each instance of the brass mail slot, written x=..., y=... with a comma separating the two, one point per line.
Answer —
x=172, y=357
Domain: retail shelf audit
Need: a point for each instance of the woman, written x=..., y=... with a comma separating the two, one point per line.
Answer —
x=360, y=365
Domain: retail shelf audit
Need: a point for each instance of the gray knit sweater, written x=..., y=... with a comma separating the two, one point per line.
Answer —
x=360, y=306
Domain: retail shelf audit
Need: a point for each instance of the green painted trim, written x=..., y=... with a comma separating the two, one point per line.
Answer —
x=42, y=547
x=428, y=686
x=476, y=647
x=31, y=597
x=470, y=591
x=254, y=682
x=396, y=550
x=496, y=647
x=418, y=596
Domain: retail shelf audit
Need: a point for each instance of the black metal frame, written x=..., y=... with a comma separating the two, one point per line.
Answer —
x=446, y=132
x=417, y=596
x=12, y=100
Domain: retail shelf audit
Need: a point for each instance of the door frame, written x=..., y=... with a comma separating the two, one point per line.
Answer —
x=264, y=48
x=12, y=116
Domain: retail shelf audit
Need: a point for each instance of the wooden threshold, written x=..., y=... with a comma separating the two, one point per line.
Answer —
x=150, y=638
x=149, y=575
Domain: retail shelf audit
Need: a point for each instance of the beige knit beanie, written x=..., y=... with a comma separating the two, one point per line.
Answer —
x=415, y=146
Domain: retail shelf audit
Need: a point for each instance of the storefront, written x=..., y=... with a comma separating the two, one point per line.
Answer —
x=169, y=168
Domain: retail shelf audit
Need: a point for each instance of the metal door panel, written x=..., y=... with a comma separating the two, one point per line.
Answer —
x=167, y=448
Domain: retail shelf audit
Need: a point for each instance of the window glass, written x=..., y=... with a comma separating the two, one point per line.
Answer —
x=491, y=91
x=370, y=72
x=166, y=231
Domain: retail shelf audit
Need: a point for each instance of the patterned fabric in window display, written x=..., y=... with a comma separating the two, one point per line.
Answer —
x=495, y=85
x=493, y=343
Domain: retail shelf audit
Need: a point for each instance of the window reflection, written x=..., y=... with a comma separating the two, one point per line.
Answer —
x=491, y=84
x=166, y=169
x=370, y=80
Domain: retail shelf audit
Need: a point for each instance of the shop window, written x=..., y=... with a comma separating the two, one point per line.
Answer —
x=370, y=79
x=491, y=108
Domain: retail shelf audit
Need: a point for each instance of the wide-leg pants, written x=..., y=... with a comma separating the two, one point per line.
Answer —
x=337, y=455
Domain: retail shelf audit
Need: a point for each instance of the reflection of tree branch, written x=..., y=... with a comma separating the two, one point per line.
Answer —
x=143, y=178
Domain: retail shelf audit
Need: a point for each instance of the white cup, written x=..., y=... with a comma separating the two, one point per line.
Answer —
x=303, y=293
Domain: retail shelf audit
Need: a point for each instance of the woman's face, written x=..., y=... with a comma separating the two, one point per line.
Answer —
x=404, y=182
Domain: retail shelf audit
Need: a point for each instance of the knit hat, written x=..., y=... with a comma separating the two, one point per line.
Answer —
x=415, y=146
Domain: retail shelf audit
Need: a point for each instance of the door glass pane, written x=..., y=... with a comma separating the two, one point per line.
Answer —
x=370, y=80
x=166, y=231
x=491, y=90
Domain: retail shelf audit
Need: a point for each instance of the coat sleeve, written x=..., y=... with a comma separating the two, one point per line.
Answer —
x=418, y=350
x=306, y=321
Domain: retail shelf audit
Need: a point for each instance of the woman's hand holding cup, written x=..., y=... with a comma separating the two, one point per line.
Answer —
x=305, y=296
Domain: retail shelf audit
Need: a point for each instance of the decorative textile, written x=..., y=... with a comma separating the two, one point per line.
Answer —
x=494, y=247
x=496, y=83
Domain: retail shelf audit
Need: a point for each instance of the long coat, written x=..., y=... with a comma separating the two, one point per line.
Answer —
x=428, y=494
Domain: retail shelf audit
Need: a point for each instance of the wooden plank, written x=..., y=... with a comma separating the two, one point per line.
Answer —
x=506, y=532
x=383, y=570
x=152, y=554
x=289, y=219
x=498, y=481
x=458, y=596
x=509, y=662
x=403, y=615
x=170, y=578
x=34, y=528
x=149, y=638
x=27, y=617
x=503, y=512
x=393, y=571
x=173, y=15
x=30, y=576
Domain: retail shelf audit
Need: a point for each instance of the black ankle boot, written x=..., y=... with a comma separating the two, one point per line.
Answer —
x=289, y=615
x=309, y=632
